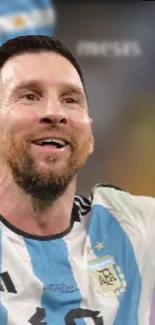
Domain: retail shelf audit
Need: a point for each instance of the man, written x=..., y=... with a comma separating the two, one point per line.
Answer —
x=64, y=259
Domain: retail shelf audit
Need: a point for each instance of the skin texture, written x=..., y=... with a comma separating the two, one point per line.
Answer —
x=41, y=95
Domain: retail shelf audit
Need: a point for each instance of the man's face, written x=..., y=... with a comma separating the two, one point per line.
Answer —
x=45, y=130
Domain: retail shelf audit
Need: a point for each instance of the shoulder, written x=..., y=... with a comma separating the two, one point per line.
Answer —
x=111, y=208
x=116, y=199
x=135, y=214
x=139, y=209
x=115, y=192
x=122, y=204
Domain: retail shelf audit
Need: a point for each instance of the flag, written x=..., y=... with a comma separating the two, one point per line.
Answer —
x=26, y=18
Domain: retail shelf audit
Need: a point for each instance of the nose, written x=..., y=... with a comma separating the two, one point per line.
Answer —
x=53, y=115
x=53, y=119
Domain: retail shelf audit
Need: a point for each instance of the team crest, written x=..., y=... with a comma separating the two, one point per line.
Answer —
x=107, y=276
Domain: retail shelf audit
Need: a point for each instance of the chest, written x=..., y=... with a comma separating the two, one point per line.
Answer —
x=61, y=282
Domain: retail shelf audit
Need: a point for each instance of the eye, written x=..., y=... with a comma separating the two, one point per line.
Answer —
x=30, y=97
x=70, y=100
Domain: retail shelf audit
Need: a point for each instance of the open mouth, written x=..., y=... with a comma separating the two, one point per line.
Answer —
x=51, y=142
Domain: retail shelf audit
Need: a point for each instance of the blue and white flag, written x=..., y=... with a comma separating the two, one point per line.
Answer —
x=26, y=17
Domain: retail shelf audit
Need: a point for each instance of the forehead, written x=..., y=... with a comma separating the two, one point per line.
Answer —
x=46, y=66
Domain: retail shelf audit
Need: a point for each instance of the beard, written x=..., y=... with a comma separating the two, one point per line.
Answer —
x=49, y=185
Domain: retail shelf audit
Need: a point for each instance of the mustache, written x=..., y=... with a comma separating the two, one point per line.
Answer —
x=47, y=132
x=49, y=129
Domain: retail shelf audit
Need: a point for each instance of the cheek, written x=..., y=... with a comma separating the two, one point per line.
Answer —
x=16, y=117
x=10, y=132
x=82, y=132
x=82, y=126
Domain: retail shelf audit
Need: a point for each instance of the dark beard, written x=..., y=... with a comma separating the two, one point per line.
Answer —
x=42, y=187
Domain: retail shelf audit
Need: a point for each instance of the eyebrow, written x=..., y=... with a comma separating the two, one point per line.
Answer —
x=27, y=84
x=66, y=87
x=72, y=89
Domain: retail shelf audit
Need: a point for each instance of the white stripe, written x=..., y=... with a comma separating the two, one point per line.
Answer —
x=82, y=200
x=22, y=20
x=16, y=261
x=77, y=256
x=82, y=210
x=77, y=243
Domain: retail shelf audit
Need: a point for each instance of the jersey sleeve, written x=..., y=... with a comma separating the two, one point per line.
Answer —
x=145, y=220
x=136, y=214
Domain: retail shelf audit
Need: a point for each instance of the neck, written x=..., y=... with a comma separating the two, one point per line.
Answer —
x=32, y=215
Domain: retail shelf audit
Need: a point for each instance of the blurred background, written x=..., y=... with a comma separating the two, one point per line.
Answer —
x=115, y=46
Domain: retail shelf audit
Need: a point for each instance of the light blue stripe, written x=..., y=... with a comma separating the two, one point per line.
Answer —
x=15, y=6
x=50, y=264
x=3, y=311
x=105, y=228
x=93, y=266
x=42, y=30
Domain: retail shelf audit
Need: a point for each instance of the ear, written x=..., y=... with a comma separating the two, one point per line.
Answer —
x=91, y=142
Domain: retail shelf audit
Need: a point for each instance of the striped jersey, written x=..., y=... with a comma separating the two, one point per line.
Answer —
x=101, y=270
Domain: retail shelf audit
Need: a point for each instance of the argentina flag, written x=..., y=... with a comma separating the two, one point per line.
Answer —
x=26, y=18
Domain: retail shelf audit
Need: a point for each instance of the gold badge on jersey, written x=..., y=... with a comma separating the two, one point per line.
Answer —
x=106, y=276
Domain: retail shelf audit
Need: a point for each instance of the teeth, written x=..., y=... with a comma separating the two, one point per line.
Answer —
x=51, y=140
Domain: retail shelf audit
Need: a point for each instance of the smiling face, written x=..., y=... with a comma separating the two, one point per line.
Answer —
x=42, y=99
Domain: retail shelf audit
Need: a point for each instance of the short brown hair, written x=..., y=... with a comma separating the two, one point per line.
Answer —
x=37, y=43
